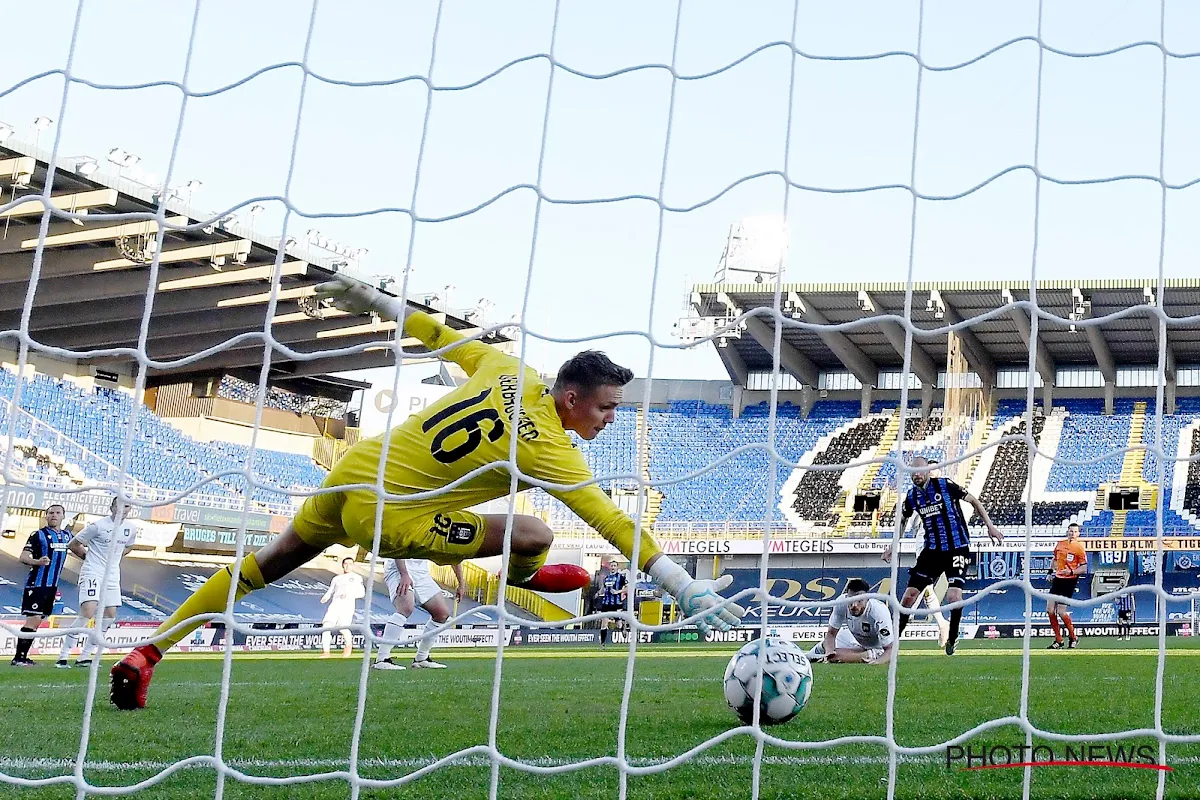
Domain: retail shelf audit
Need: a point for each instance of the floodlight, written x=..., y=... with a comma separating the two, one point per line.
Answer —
x=87, y=166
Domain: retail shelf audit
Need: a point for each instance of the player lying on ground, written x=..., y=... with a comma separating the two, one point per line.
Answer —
x=1070, y=561
x=859, y=632
x=947, y=541
x=468, y=429
x=409, y=584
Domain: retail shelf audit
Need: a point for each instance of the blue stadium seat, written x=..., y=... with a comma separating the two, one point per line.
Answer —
x=97, y=424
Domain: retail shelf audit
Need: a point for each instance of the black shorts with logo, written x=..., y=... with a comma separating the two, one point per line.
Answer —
x=1124, y=615
x=1064, y=587
x=38, y=600
x=931, y=564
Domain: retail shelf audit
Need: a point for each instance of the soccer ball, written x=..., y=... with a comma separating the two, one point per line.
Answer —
x=788, y=680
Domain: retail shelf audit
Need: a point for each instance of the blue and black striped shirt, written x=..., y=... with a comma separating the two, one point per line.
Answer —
x=1125, y=602
x=51, y=543
x=610, y=588
x=936, y=503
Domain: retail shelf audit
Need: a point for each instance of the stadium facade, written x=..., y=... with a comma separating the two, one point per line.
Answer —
x=837, y=429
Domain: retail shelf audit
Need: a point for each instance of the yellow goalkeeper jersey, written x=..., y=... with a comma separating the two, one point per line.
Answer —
x=464, y=431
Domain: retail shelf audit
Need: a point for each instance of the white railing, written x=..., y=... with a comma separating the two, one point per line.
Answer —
x=45, y=436
x=70, y=451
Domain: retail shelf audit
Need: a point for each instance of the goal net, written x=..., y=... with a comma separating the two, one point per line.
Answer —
x=578, y=163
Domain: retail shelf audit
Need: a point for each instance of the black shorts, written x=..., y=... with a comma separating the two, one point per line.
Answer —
x=604, y=607
x=932, y=564
x=1064, y=587
x=1124, y=615
x=39, y=600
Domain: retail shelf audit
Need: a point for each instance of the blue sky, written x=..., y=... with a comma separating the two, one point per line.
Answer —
x=594, y=265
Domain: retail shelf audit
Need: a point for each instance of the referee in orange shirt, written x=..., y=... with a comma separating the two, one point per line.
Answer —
x=1070, y=561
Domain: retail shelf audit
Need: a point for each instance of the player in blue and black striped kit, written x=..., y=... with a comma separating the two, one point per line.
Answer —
x=1126, y=608
x=611, y=595
x=947, y=541
x=45, y=553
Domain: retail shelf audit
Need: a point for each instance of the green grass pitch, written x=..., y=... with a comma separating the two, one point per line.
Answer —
x=293, y=715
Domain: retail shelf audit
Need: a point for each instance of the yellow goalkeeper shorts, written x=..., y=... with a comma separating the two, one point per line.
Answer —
x=417, y=529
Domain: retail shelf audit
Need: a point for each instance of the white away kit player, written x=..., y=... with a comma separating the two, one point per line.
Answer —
x=104, y=540
x=859, y=632
x=344, y=591
x=409, y=584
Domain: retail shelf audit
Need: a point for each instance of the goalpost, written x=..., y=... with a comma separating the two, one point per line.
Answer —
x=965, y=405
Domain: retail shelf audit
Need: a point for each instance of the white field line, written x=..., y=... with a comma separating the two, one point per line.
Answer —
x=9, y=764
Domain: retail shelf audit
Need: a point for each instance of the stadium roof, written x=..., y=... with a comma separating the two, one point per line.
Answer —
x=998, y=342
x=213, y=281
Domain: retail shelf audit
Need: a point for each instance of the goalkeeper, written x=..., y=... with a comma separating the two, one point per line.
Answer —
x=461, y=434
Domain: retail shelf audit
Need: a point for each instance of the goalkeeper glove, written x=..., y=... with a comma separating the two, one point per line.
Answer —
x=696, y=596
x=355, y=297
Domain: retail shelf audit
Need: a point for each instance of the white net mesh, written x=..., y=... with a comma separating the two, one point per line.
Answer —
x=783, y=175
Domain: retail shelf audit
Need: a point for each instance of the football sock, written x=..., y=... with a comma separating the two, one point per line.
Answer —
x=955, y=618
x=23, y=645
x=326, y=641
x=393, y=629
x=1054, y=626
x=96, y=648
x=904, y=620
x=522, y=567
x=208, y=599
x=604, y=636
x=70, y=638
x=426, y=645
x=1070, y=625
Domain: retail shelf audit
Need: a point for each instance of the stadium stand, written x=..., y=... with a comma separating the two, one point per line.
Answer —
x=64, y=434
x=688, y=435
x=233, y=388
x=1088, y=434
x=684, y=436
x=818, y=490
x=162, y=457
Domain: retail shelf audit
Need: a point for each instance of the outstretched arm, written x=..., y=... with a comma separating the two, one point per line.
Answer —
x=992, y=530
x=598, y=510
x=461, y=590
x=888, y=652
x=905, y=512
x=356, y=297
x=829, y=644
